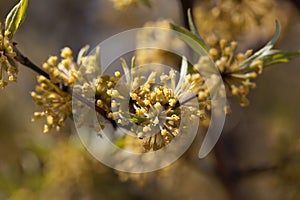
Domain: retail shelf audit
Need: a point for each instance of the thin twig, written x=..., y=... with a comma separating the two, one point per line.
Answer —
x=26, y=62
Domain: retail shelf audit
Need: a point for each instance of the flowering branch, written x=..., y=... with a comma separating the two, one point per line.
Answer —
x=25, y=61
x=57, y=84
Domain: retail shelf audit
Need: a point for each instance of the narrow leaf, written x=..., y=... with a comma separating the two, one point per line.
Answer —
x=276, y=34
x=265, y=50
x=194, y=29
x=190, y=39
x=15, y=18
x=133, y=62
x=277, y=56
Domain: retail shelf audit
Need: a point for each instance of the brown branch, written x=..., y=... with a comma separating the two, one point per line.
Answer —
x=27, y=63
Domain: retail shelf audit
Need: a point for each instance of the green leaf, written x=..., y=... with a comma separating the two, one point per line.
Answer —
x=191, y=39
x=264, y=51
x=277, y=56
x=15, y=18
x=269, y=56
x=133, y=62
x=195, y=31
x=276, y=34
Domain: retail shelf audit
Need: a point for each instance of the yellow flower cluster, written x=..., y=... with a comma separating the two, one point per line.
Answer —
x=50, y=94
x=8, y=66
x=54, y=95
x=237, y=77
x=160, y=106
x=56, y=104
x=104, y=88
x=155, y=108
x=66, y=71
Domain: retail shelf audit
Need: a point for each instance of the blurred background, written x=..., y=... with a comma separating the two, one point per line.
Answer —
x=257, y=156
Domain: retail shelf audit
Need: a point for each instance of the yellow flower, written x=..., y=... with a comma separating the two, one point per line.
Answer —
x=54, y=95
x=8, y=66
x=50, y=94
x=56, y=104
x=66, y=71
x=156, y=109
x=237, y=78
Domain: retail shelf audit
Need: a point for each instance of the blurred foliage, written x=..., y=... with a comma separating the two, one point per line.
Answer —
x=240, y=19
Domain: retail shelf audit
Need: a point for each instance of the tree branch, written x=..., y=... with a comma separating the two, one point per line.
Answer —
x=27, y=63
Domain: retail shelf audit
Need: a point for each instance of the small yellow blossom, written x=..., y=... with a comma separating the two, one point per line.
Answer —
x=155, y=108
x=56, y=104
x=8, y=66
x=54, y=95
x=237, y=78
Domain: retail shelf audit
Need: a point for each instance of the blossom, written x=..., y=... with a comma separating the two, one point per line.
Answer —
x=56, y=104
x=8, y=66
x=238, y=78
x=49, y=94
x=54, y=93
x=68, y=79
x=66, y=71
x=159, y=105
